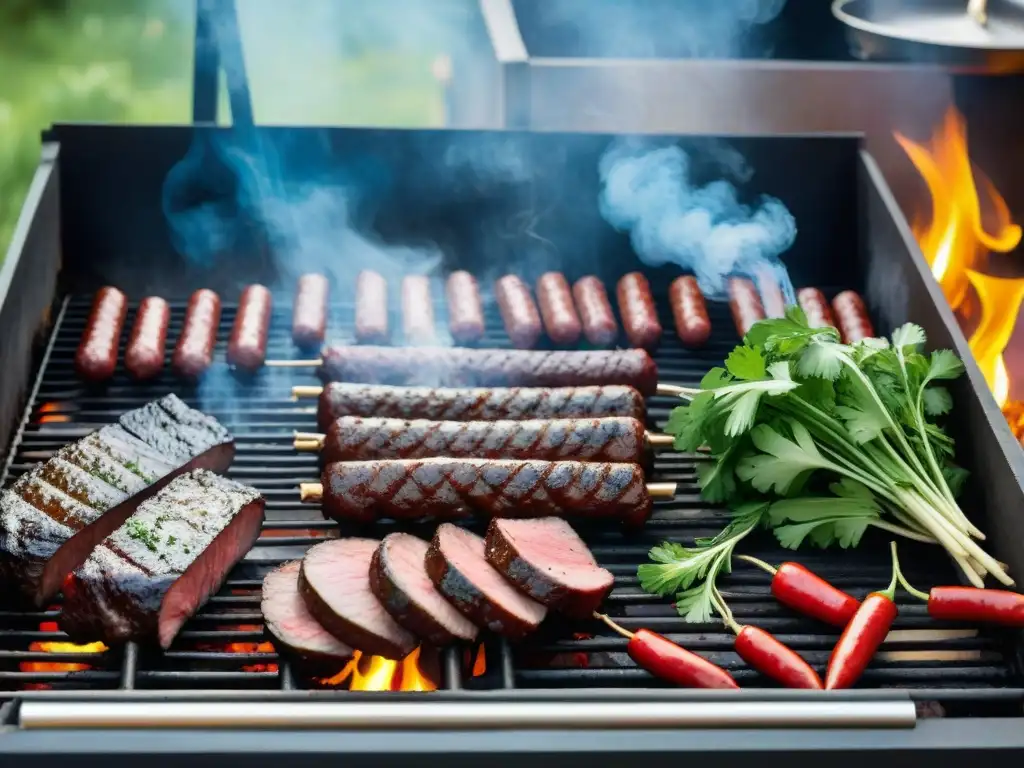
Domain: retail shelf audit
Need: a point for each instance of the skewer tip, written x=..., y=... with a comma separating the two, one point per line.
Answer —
x=670, y=390
x=311, y=491
x=293, y=363
x=302, y=392
x=660, y=440
x=662, y=490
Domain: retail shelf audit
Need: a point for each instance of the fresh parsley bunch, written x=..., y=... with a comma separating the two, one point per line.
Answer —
x=830, y=439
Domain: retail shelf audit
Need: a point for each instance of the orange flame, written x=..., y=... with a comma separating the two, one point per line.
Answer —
x=261, y=647
x=57, y=646
x=956, y=244
x=375, y=673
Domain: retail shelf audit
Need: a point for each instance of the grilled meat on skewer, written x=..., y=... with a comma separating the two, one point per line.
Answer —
x=148, y=577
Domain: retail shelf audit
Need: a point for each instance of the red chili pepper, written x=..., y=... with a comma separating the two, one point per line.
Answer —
x=803, y=591
x=995, y=606
x=863, y=635
x=669, y=661
x=767, y=654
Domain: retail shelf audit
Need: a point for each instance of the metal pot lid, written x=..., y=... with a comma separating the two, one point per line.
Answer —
x=936, y=31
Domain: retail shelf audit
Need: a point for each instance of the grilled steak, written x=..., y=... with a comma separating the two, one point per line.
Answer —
x=150, y=575
x=398, y=577
x=292, y=627
x=476, y=404
x=463, y=367
x=334, y=582
x=458, y=567
x=54, y=515
x=548, y=561
x=354, y=438
x=453, y=488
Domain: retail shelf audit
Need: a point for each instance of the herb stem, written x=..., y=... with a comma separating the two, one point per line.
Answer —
x=616, y=627
x=906, y=533
x=759, y=563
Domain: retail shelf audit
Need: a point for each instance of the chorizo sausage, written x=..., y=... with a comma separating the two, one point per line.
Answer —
x=144, y=357
x=638, y=312
x=815, y=307
x=465, y=310
x=518, y=311
x=689, y=310
x=96, y=357
x=417, y=310
x=852, y=317
x=745, y=304
x=247, y=348
x=557, y=309
x=371, y=308
x=595, y=310
x=309, y=314
x=772, y=300
x=193, y=353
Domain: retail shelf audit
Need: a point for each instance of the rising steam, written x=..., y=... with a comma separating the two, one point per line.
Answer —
x=648, y=192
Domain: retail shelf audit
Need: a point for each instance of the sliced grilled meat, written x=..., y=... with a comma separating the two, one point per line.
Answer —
x=153, y=573
x=293, y=628
x=458, y=567
x=54, y=516
x=447, y=489
x=398, y=577
x=334, y=582
x=547, y=560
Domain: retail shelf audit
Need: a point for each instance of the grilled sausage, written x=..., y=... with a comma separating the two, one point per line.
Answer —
x=459, y=366
x=453, y=404
x=354, y=438
x=144, y=357
x=309, y=314
x=815, y=306
x=745, y=304
x=96, y=357
x=556, y=308
x=465, y=310
x=417, y=310
x=193, y=353
x=852, y=317
x=371, y=308
x=247, y=348
x=693, y=326
x=518, y=311
x=772, y=300
x=595, y=310
x=639, y=314
x=447, y=489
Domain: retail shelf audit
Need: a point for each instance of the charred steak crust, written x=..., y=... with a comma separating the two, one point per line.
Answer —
x=538, y=577
x=355, y=438
x=477, y=404
x=151, y=574
x=462, y=590
x=89, y=487
x=290, y=626
x=445, y=488
x=391, y=642
x=387, y=583
x=459, y=366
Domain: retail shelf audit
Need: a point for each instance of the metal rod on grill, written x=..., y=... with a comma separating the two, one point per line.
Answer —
x=312, y=442
x=673, y=390
x=312, y=492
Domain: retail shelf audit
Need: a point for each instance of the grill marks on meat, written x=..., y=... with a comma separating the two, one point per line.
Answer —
x=457, y=565
x=547, y=560
x=291, y=625
x=398, y=577
x=54, y=515
x=447, y=489
x=334, y=582
x=353, y=438
x=152, y=573
x=468, y=404
x=458, y=366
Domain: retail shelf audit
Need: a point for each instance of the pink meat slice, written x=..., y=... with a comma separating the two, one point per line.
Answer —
x=546, y=559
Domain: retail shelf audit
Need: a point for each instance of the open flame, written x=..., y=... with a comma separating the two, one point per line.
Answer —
x=375, y=673
x=249, y=647
x=969, y=220
x=57, y=646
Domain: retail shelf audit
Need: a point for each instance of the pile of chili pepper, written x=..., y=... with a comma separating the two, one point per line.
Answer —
x=865, y=626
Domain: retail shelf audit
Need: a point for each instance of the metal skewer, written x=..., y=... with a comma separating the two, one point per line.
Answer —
x=314, y=441
x=313, y=492
x=302, y=392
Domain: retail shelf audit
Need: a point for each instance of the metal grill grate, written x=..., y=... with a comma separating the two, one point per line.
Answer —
x=223, y=646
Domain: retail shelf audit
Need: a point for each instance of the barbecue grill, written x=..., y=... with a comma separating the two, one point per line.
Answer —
x=503, y=201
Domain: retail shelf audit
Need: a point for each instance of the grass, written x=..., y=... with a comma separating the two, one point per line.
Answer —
x=130, y=61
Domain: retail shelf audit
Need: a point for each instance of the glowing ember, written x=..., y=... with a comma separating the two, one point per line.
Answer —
x=480, y=663
x=375, y=673
x=49, y=414
x=57, y=646
x=956, y=244
x=262, y=647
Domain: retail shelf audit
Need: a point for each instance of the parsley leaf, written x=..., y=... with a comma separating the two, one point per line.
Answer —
x=937, y=401
x=746, y=363
x=825, y=519
x=944, y=364
x=782, y=460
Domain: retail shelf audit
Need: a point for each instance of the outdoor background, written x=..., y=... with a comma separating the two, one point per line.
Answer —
x=354, y=62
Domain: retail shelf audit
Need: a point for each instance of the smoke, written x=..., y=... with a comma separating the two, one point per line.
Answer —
x=648, y=192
